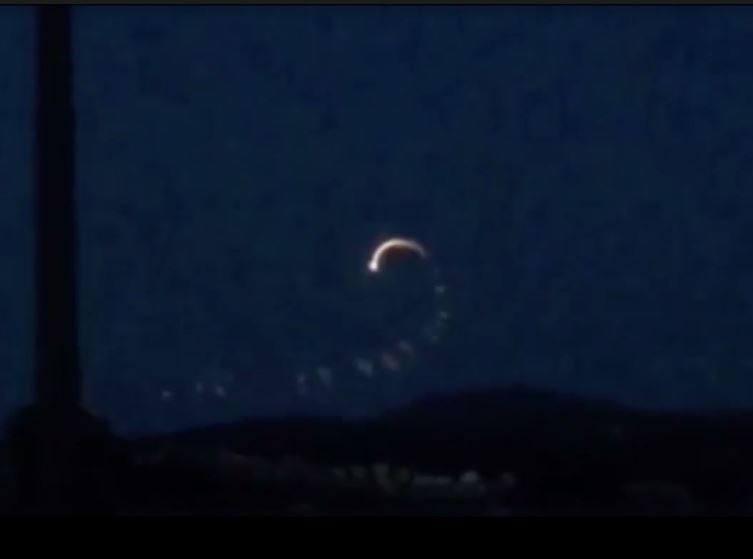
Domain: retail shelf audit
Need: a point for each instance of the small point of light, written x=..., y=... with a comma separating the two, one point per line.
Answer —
x=325, y=375
x=364, y=366
x=389, y=362
x=406, y=347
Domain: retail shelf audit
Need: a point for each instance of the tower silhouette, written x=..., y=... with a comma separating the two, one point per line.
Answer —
x=51, y=437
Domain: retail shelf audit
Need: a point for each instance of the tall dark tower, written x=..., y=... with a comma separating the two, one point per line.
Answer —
x=50, y=437
x=57, y=357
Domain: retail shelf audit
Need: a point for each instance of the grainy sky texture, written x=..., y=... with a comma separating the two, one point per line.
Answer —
x=16, y=291
x=581, y=175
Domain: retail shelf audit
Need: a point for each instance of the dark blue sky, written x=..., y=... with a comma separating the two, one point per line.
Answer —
x=582, y=176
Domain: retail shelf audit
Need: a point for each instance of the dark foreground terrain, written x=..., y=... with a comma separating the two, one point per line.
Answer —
x=510, y=452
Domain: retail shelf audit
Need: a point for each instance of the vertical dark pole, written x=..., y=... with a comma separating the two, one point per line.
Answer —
x=60, y=450
x=58, y=383
x=45, y=435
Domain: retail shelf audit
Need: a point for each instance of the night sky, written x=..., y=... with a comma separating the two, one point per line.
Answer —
x=580, y=175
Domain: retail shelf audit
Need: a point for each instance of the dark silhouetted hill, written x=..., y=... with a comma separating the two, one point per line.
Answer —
x=562, y=451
